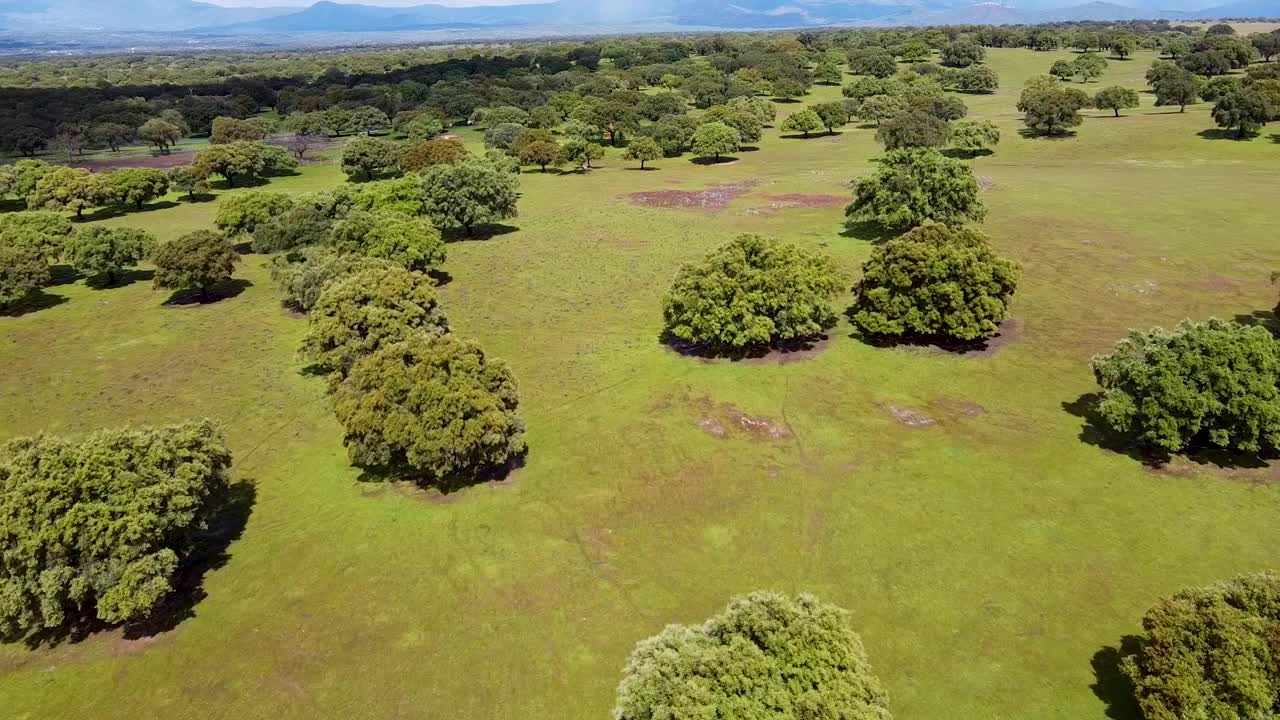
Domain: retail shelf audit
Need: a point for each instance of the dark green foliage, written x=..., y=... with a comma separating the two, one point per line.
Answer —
x=242, y=161
x=644, y=149
x=973, y=136
x=832, y=115
x=973, y=79
x=872, y=61
x=160, y=133
x=766, y=655
x=715, y=139
x=543, y=153
x=803, y=121
x=913, y=128
x=935, y=281
x=186, y=180
x=99, y=528
x=134, y=186
x=1116, y=98
x=303, y=276
x=1050, y=109
x=750, y=293
x=242, y=213
x=1209, y=383
x=298, y=226
x=45, y=232
x=914, y=185
x=360, y=313
x=100, y=250
x=1210, y=652
x=1175, y=86
x=469, y=193
x=962, y=54
x=368, y=158
x=1244, y=110
x=433, y=408
x=22, y=271
x=198, y=260
x=410, y=242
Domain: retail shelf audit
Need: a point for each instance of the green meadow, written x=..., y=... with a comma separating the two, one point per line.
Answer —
x=990, y=550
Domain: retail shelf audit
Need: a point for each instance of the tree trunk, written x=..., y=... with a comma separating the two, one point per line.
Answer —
x=1117, y=111
x=641, y=163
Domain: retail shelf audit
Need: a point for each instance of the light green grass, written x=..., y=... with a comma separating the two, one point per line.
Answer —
x=985, y=558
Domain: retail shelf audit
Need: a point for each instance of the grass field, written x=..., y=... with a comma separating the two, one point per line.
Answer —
x=988, y=559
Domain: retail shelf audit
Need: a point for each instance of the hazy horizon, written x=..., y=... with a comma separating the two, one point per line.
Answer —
x=382, y=3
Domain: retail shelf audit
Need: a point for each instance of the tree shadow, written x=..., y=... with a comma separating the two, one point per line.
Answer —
x=228, y=514
x=35, y=302
x=115, y=211
x=62, y=275
x=198, y=198
x=1275, y=137
x=810, y=136
x=1096, y=432
x=785, y=101
x=935, y=342
x=1033, y=134
x=488, y=231
x=224, y=290
x=749, y=148
x=712, y=351
x=227, y=520
x=12, y=205
x=447, y=484
x=647, y=168
x=722, y=160
x=967, y=154
x=244, y=247
x=1265, y=319
x=124, y=278
x=1223, y=134
x=868, y=231
x=1111, y=685
x=440, y=277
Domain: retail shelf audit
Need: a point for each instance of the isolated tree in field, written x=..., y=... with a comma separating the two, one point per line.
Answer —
x=469, y=193
x=1062, y=69
x=67, y=189
x=913, y=186
x=294, y=227
x=912, y=129
x=97, y=250
x=765, y=655
x=973, y=136
x=541, y=153
x=1210, y=652
x=135, y=186
x=100, y=528
x=361, y=313
x=1243, y=110
x=299, y=144
x=1210, y=383
x=1089, y=66
x=1267, y=44
x=935, y=281
x=962, y=54
x=1116, y=98
x=1050, y=110
x=303, y=275
x=973, y=79
x=407, y=241
x=803, y=121
x=580, y=153
x=752, y=293
x=644, y=149
x=185, y=180
x=1177, y=87
x=715, y=139
x=160, y=133
x=199, y=259
x=423, y=155
x=828, y=73
x=22, y=272
x=832, y=115
x=529, y=137
x=367, y=158
x=242, y=213
x=1123, y=46
x=432, y=408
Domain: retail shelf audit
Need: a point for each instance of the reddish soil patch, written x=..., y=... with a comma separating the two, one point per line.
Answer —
x=713, y=427
x=159, y=162
x=809, y=201
x=1010, y=332
x=714, y=198
x=1174, y=469
x=718, y=420
x=958, y=408
x=1216, y=285
x=909, y=417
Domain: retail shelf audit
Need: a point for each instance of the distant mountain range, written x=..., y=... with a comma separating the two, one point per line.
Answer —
x=572, y=16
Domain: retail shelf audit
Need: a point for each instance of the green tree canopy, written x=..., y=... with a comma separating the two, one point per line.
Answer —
x=242, y=213
x=160, y=133
x=432, y=408
x=303, y=275
x=135, y=186
x=973, y=136
x=368, y=158
x=360, y=313
x=765, y=655
x=199, y=259
x=910, y=129
x=468, y=193
x=44, y=232
x=22, y=272
x=99, y=528
x=422, y=155
x=752, y=293
x=1244, y=110
x=935, y=281
x=832, y=115
x=644, y=149
x=715, y=139
x=298, y=226
x=1208, y=383
x=1116, y=98
x=962, y=54
x=408, y=241
x=914, y=185
x=1050, y=109
x=803, y=121
x=99, y=250
x=1210, y=652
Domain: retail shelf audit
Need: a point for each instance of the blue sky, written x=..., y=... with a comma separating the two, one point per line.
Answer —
x=384, y=3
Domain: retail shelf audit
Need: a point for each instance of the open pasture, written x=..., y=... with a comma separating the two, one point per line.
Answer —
x=992, y=553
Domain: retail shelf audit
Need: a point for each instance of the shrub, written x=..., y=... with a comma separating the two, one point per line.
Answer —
x=242, y=213
x=99, y=528
x=914, y=185
x=44, y=232
x=407, y=241
x=22, y=272
x=359, y=314
x=973, y=136
x=99, y=250
x=752, y=292
x=1211, y=382
x=935, y=281
x=303, y=276
x=765, y=655
x=1210, y=652
x=199, y=259
x=432, y=407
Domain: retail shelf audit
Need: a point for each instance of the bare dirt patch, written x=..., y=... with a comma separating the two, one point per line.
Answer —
x=808, y=201
x=723, y=420
x=909, y=417
x=986, y=184
x=158, y=162
x=958, y=408
x=1215, y=285
x=1010, y=332
x=712, y=199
